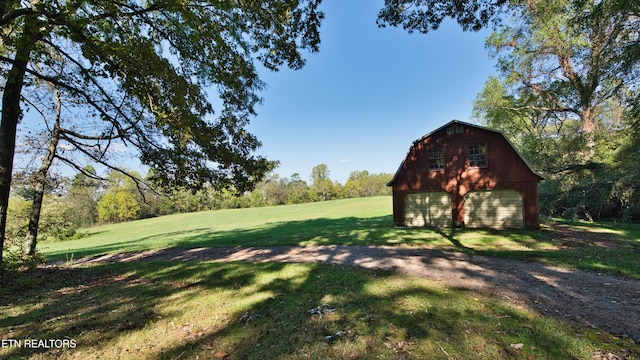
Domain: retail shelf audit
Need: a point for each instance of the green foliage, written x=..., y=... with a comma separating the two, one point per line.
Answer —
x=566, y=93
x=427, y=15
x=55, y=223
x=274, y=190
x=81, y=198
x=157, y=60
x=322, y=187
x=13, y=247
x=118, y=205
x=15, y=259
x=123, y=200
x=17, y=219
x=119, y=201
x=562, y=61
x=565, y=98
x=56, y=220
x=361, y=184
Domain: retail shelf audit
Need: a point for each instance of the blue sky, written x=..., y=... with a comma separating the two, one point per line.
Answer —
x=362, y=100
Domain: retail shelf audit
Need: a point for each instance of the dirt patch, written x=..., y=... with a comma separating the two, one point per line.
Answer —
x=606, y=302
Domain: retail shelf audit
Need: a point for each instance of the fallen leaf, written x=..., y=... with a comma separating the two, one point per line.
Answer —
x=221, y=355
x=517, y=346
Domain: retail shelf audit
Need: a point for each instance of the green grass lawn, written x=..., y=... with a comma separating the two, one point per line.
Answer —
x=606, y=248
x=242, y=310
x=205, y=310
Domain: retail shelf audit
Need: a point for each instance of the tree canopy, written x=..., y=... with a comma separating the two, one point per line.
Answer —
x=140, y=74
x=569, y=60
x=427, y=15
x=566, y=93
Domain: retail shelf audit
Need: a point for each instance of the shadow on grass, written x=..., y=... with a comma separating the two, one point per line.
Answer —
x=450, y=234
x=617, y=256
x=266, y=310
x=323, y=231
x=582, y=246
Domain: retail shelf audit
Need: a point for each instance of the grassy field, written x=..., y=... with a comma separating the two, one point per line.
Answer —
x=191, y=310
x=243, y=310
x=606, y=248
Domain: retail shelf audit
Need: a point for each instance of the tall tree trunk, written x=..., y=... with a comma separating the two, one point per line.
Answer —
x=588, y=130
x=40, y=183
x=11, y=114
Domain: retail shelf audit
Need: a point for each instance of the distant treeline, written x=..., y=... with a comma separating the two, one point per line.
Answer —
x=84, y=202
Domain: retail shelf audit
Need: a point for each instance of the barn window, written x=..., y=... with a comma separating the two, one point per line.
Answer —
x=436, y=159
x=477, y=155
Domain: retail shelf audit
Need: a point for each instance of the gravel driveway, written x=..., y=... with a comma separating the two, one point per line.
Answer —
x=607, y=302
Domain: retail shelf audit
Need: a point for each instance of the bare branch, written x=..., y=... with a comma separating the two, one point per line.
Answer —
x=84, y=71
x=80, y=169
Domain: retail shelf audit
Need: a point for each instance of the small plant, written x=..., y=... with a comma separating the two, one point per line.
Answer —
x=64, y=235
x=69, y=260
x=15, y=259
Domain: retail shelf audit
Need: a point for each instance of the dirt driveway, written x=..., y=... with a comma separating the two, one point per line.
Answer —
x=607, y=302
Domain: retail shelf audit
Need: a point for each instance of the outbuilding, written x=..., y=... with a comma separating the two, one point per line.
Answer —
x=463, y=174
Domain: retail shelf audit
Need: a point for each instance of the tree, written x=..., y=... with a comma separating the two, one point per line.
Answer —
x=361, y=184
x=628, y=190
x=551, y=146
x=356, y=183
x=592, y=46
x=568, y=73
x=82, y=196
x=117, y=206
x=569, y=60
x=40, y=179
x=119, y=201
x=298, y=190
x=321, y=185
x=273, y=190
x=319, y=173
x=139, y=70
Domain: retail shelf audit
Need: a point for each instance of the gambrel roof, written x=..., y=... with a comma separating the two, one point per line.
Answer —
x=453, y=123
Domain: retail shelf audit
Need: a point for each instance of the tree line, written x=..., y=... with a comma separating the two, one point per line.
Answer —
x=83, y=201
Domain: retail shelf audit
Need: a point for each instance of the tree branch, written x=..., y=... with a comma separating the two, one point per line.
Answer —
x=89, y=137
x=75, y=90
x=7, y=18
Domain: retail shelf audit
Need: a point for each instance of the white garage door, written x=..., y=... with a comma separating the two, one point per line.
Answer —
x=427, y=209
x=498, y=209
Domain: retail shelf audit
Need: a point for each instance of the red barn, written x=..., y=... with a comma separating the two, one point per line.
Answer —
x=465, y=175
